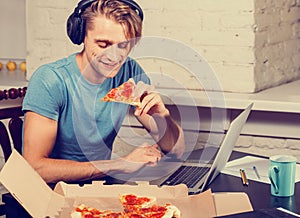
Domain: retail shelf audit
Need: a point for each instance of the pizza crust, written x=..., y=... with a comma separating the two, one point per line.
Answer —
x=172, y=212
x=76, y=214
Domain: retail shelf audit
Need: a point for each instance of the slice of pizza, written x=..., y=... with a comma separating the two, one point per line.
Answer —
x=112, y=214
x=154, y=211
x=132, y=202
x=123, y=94
x=82, y=211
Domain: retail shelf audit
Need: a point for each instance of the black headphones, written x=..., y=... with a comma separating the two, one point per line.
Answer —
x=76, y=25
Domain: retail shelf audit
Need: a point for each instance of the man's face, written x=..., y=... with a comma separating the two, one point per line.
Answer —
x=106, y=46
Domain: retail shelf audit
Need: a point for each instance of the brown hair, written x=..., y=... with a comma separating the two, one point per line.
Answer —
x=117, y=11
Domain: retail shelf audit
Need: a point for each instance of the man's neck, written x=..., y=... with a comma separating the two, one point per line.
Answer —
x=87, y=70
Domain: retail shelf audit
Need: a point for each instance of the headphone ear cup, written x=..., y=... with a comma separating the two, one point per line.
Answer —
x=76, y=29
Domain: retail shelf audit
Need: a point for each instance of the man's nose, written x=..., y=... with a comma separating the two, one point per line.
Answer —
x=114, y=53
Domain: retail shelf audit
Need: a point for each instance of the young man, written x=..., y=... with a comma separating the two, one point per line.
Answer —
x=68, y=131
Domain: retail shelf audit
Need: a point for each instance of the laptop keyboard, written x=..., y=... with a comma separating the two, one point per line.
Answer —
x=189, y=175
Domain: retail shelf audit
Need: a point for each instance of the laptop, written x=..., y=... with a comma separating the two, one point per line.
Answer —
x=196, y=174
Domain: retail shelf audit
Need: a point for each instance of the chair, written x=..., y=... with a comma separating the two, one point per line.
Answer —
x=5, y=141
x=15, y=127
x=6, y=148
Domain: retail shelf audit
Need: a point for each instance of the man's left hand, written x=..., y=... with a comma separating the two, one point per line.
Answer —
x=151, y=102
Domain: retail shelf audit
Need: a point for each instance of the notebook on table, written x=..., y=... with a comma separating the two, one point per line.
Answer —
x=198, y=175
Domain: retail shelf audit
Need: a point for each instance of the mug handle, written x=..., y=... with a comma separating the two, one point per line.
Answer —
x=271, y=170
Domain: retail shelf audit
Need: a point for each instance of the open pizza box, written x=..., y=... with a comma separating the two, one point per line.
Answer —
x=30, y=190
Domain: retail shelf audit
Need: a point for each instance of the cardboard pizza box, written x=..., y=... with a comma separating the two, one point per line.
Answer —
x=31, y=191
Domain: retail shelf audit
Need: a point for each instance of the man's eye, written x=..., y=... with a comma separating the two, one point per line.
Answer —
x=103, y=45
x=123, y=45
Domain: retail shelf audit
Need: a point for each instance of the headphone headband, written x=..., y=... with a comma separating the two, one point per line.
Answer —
x=82, y=5
x=76, y=25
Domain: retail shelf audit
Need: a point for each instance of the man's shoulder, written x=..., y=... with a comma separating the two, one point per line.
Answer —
x=56, y=68
x=132, y=67
x=131, y=62
x=61, y=63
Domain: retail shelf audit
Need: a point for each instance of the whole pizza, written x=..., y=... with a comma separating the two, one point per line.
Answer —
x=134, y=207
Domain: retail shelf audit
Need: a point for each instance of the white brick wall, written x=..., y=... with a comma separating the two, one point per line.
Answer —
x=277, y=42
x=255, y=42
x=265, y=146
x=12, y=26
x=268, y=146
x=46, y=32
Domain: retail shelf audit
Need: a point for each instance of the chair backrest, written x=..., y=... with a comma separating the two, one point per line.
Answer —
x=5, y=141
x=15, y=127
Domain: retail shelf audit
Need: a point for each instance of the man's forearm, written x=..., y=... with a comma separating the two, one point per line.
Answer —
x=168, y=133
x=165, y=131
x=54, y=170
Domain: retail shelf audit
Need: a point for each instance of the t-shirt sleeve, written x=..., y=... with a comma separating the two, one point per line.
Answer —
x=44, y=94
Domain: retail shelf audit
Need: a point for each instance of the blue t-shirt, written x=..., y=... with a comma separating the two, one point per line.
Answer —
x=87, y=126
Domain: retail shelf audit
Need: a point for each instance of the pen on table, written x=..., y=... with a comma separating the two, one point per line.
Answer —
x=244, y=178
x=256, y=172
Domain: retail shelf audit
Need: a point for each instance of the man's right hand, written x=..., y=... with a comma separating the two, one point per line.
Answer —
x=141, y=156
